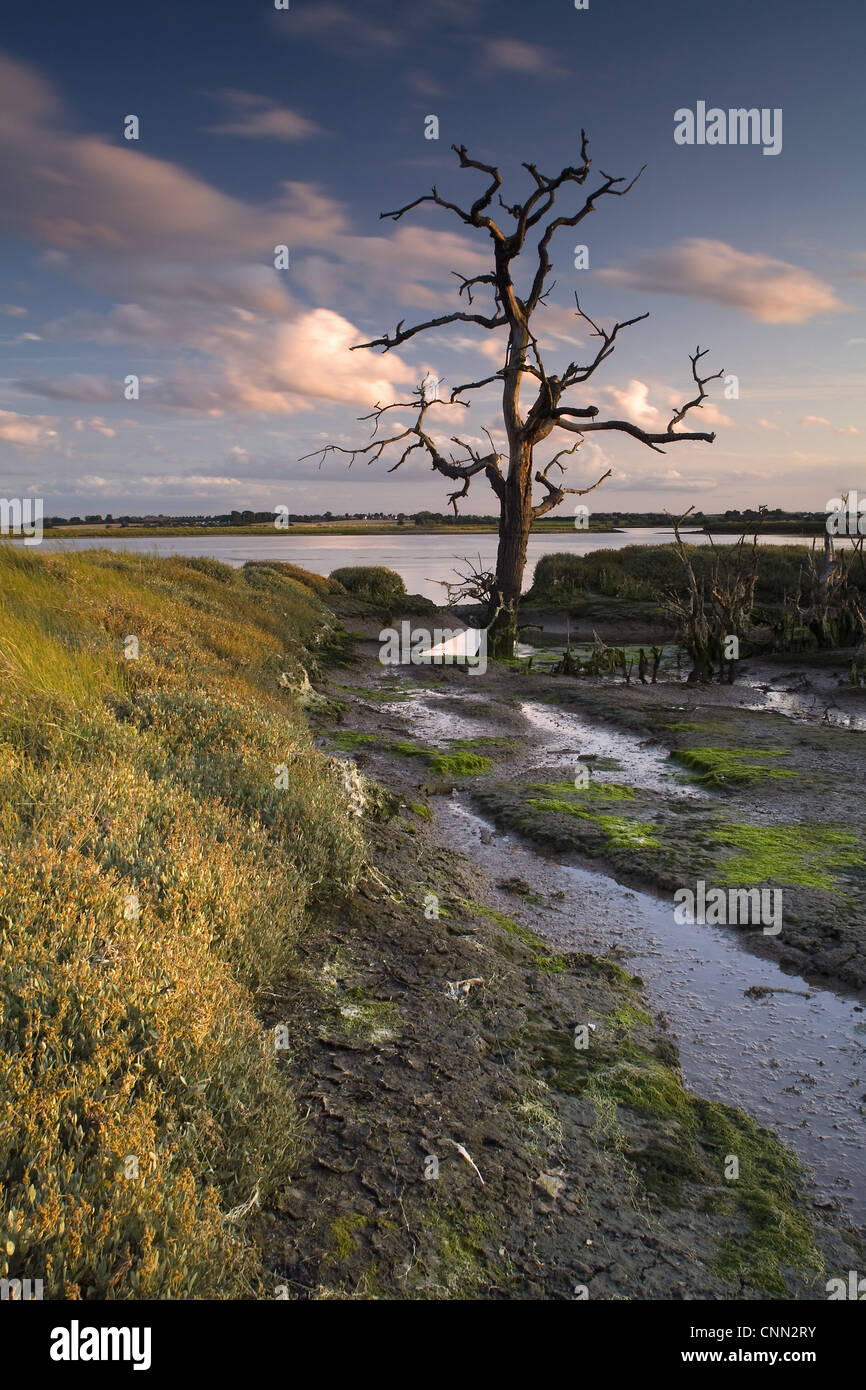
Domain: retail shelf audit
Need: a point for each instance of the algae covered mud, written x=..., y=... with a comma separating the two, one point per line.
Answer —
x=791, y=1052
x=731, y=1075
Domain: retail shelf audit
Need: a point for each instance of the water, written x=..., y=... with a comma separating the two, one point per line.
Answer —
x=809, y=706
x=795, y=1059
x=566, y=736
x=642, y=763
x=420, y=560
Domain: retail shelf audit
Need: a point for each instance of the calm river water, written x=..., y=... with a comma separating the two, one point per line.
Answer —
x=420, y=560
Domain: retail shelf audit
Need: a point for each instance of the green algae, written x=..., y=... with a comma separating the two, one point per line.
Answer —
x=348, y=741
x=722, y=767
x=460, y=764
x=609, y=791
x=345, y=1243
x=465, y=1246
x=688, y=1142
x=801, y=854
x=620, y=832
x=545, y=959
x=485, y=742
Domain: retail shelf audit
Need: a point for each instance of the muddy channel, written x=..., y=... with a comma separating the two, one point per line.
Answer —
x=788, y=1051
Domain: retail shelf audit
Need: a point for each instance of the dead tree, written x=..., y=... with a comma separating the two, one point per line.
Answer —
x=716, y=608
x=689, y=611
x=827, y=600
x=732, y=589
x=511, y=472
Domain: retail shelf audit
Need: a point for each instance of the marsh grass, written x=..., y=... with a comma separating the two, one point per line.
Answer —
x=644, y=573
x=153, y=884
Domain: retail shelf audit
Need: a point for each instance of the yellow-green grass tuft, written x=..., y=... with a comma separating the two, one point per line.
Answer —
x=164, y=823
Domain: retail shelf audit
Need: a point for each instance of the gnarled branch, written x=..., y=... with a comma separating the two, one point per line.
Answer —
x=701, y=382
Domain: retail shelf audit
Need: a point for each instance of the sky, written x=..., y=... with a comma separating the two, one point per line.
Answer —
x=261, y=127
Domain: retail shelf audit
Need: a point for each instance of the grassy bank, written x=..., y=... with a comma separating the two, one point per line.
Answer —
x=646, y=573
x=166, y=824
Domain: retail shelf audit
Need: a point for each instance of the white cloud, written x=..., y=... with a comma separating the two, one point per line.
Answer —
x=26, y=430
x=513, y=55
x=280, y=368
x=188, y=480
x=769, y=290
x=258, y=117
x=632, y=403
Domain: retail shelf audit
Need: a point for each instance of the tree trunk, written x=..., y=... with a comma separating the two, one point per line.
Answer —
x=515, y=520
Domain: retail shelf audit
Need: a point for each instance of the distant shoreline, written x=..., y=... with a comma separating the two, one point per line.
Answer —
x=55, y=533
x=798, y=531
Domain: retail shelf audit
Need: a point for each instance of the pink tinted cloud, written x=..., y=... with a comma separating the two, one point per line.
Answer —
x=28, y=431
x=769, y=290
x=256, y=117
x=514, y=55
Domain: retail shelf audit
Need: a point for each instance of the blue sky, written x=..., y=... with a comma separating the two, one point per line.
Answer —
x=261, y=126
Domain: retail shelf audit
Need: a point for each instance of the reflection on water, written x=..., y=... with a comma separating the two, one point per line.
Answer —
x=421, y=560
x=813, y=706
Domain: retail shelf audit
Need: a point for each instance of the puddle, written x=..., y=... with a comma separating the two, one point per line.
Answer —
x=797, y=1065
x=565, y=737
x=642, y=763
x=808, y=706
x=545, y=657
x=435, y=721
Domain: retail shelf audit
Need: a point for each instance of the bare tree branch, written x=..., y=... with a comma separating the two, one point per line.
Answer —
x=573, y=374
x=608, y=187
x=420, y=439
x=555, y=494
x=402, y=335
x=626, y=427
x=701, y=381
x=473, y=217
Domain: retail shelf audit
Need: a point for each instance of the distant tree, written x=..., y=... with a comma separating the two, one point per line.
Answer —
x=512, y=473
